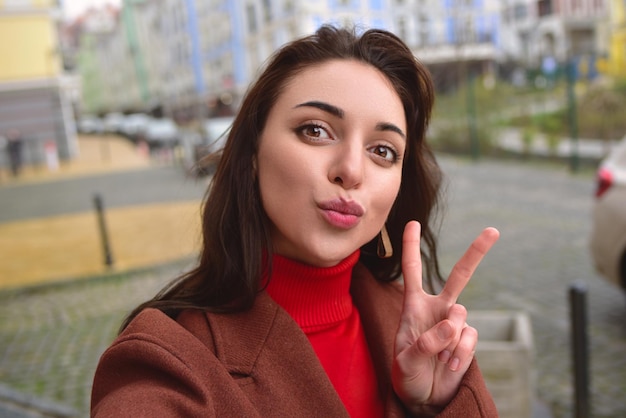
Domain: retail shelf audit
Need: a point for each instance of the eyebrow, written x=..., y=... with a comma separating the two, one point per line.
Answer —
x=335, y=111
x=326, y=107
x=383, y=126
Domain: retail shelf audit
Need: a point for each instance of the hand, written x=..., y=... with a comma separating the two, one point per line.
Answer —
x=434, y=345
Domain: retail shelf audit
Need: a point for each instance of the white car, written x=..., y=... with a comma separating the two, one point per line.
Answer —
x=214, y=134
x=113, y=122
x=90, y=125
x=161, y=132
x=608, y=236
x=135, y=125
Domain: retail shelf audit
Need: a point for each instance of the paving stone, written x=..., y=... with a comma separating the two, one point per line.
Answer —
x=52, y=336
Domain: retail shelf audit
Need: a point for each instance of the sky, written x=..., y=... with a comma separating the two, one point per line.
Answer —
x=73, y=8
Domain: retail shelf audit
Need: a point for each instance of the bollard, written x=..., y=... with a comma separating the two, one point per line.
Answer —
x=580, y=353
x=108, y=258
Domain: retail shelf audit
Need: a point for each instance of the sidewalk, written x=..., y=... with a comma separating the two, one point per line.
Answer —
x=52, y=336
x=510, y=139
x=69, y=246
x=97, y=155
x=66, y=251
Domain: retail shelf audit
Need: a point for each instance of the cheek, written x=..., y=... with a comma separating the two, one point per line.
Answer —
x=276, y=168
x=386, y=194
x=280, y=176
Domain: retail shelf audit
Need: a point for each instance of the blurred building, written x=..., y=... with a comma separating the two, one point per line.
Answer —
x=616, y=58
x=546, y=31
x=193, y=59
x=34, y=95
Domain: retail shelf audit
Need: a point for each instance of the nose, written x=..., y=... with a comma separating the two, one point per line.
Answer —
x=347, y=166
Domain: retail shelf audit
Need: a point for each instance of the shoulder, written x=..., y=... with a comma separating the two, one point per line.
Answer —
x=152, y=334
x=139, y=369
x=155, y=323
x=197, y=332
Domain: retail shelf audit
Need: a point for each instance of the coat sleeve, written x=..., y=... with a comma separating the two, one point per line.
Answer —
x=473, y=399
x=158, y=368
x=138, y=377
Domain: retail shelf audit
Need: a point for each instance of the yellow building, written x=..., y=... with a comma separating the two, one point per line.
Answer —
x=32, y=97
x=616, y=65
x=28, y=41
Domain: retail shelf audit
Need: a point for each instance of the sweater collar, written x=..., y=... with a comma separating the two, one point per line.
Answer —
x=315, y=297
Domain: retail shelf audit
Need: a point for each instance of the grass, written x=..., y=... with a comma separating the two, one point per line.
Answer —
x=600, y=113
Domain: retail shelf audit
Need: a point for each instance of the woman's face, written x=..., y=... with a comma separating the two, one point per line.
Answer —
x=330, y=161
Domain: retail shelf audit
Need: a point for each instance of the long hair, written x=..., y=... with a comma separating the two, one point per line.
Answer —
x=235, y=229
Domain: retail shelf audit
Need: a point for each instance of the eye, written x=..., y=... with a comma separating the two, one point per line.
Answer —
x=387, y=154
x=313, y=132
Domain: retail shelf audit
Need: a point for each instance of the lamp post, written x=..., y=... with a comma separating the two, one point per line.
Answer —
x=471, y=116
x=572, y=113
x=463, y=35
x=128, y=19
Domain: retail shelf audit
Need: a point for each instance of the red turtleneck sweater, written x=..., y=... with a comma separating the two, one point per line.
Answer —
x=319, y=300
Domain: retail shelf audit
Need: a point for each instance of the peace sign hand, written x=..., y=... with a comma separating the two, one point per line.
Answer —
x=434, y=345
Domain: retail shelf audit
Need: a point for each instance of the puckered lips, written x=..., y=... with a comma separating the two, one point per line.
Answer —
x=341, y=213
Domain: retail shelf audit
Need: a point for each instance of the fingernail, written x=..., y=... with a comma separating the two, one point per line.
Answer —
x=444, y=356
x=444, y=331
x=454, y=364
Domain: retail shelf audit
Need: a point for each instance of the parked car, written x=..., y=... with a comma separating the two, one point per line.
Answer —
x=135, y=125
x=608, y=236
x=214, y=134
x=89, y=124
x=161, y=133
x=215, y=131
x=113, y=122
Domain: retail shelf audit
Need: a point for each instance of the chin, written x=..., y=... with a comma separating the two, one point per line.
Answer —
x=330, y=260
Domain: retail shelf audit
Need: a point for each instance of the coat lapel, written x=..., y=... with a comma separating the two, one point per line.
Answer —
x=265, y=346
x=380, y=306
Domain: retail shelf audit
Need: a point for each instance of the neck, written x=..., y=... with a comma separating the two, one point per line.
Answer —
x=315, y=297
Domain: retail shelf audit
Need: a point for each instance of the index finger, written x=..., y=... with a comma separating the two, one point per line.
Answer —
x=412, y=258
x=465, y=267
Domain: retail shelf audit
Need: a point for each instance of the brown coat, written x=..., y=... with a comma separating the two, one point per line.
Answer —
x=256, y=363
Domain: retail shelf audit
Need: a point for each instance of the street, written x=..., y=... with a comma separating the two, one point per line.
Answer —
x=51, y=337
x=544, y=218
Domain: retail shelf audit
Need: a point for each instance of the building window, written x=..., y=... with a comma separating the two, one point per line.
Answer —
x=465, y=30
x=401, y=29
x=576, y=5
x=251, y=15
x=545, y=7
x=423, y=30
x=267, y=11
x=288, y=7
x=520, y=11
x=462, y=3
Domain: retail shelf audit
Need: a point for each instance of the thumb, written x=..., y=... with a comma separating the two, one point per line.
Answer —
x=435, y=340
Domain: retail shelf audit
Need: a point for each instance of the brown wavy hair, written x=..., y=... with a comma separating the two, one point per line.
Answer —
x=235, y=229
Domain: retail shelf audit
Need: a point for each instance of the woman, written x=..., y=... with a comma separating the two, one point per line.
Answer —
x=295, y=308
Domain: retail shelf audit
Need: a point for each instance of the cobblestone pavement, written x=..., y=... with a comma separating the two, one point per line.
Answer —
x=51, y=336
x=544, y=217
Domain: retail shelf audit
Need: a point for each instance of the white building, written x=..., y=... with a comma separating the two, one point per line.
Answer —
x=197, y=57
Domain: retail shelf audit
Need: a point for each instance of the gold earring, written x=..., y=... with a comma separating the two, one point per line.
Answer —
x=384, y=248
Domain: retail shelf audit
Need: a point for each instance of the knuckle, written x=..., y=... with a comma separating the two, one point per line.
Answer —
x=458, y=310
x=423, y=345
x=471, y=332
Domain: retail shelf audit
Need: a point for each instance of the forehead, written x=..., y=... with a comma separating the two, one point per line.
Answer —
x=348, y=84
